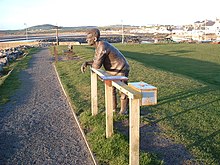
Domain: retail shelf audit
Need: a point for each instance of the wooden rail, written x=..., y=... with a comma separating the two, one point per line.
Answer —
x=134, y=108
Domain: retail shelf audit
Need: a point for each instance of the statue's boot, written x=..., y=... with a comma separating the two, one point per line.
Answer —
x=114, y=104
x=124, y=106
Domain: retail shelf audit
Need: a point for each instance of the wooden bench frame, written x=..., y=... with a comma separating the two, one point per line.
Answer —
x=134, y=108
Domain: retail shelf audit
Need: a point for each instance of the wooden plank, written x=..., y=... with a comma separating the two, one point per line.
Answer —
x=105, y=76
x=134, y=132
x=119, y=85
x=114, y=78
x=131, y=93
x=94, y=95
x=100, y=72
x=109, y=108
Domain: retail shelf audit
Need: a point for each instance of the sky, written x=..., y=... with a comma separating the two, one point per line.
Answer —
x=17, y=14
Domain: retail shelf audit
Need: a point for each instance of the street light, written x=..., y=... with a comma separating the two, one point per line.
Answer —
x=57, y=37
x=205, y=28
x=122, y=32
x=26, y=31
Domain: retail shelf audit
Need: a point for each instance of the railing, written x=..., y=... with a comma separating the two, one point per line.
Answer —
x=134, y=108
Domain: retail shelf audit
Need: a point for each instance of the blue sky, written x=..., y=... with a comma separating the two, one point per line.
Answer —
x=14, y=13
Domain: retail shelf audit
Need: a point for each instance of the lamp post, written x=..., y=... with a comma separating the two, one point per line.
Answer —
x=122, y=32
x=26, y=31
x=205, y=28
x=57, y=37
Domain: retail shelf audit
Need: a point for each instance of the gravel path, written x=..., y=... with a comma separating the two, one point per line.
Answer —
x=37, y=125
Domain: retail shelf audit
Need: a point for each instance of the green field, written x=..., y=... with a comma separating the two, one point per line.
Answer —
x=188, y=112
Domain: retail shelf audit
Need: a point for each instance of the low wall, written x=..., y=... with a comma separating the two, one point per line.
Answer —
x=69, y=43
x=7, y=45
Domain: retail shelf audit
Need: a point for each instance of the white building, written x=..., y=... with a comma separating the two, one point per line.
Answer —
x=216, y=27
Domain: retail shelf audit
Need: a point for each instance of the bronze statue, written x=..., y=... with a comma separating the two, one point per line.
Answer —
x=111, y=59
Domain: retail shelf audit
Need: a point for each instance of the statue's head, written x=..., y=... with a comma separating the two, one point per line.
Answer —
x=93, y=35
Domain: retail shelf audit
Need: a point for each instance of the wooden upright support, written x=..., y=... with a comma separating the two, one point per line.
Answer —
x=134, y=108
x=55, y=54
x=94, y=95
x=109, y=108
x=134, y=133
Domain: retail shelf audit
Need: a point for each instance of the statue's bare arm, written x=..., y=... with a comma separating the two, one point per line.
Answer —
x=84, y=65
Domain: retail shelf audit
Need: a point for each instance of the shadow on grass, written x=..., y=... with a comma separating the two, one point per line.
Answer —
x=186, y=110
x=206, y=72
x=184, y=94
x=151, y=139
x=207, y=142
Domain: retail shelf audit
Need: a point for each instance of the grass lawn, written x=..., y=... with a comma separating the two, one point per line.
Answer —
x=188, y=112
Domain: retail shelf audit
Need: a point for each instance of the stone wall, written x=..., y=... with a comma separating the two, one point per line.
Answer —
x=9, y=55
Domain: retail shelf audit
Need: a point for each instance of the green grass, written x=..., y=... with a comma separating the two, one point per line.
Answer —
x=197, y=61
x=188, y=80
x=11, y=82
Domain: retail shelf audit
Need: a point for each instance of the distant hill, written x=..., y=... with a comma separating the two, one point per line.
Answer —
x=42, y=27
x=50, y=27
x=78, y=28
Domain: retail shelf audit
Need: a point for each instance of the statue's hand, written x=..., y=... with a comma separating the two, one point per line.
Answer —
x=83, y=67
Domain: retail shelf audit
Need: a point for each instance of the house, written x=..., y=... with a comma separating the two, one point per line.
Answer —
x=215, y=28
x=208, y=26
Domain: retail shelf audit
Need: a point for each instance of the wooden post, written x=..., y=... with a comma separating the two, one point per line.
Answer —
x=55, y=54
x=134, y=122
x=94, y=95
x=134, y=109
x=109, y=108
